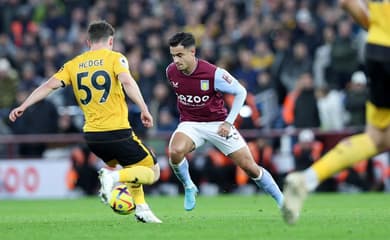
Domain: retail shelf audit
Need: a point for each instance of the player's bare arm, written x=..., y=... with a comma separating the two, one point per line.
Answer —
x=226, y=83
x=358, y=10
x=37, y=95
x=133, y=92
x=239, y=99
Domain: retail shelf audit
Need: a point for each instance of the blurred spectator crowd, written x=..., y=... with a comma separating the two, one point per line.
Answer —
x=300, y=60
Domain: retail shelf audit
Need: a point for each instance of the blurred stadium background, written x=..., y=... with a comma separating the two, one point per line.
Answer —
x=300, y=60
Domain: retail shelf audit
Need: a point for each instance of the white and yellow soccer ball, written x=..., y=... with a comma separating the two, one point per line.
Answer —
x=121, y=200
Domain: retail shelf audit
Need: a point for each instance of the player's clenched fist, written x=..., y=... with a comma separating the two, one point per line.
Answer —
x=15, y=113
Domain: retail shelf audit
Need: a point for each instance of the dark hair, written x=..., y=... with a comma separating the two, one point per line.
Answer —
x=184, y=38
x=100, y=30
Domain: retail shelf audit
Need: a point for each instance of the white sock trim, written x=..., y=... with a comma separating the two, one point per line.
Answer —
x=260, y=174
x=179, y=164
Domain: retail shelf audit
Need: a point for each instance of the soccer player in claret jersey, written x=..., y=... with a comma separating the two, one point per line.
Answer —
x=376, y=137
x=199, y=87
x=98, y=78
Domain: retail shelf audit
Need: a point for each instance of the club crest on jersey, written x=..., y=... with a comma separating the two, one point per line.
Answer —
x=204, y=85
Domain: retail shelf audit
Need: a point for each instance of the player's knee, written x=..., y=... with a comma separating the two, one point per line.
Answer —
x=176, y=153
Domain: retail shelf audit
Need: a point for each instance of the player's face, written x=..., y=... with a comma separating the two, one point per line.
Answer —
x=184, y=58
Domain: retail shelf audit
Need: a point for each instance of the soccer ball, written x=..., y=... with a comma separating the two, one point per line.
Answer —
x=121, y=200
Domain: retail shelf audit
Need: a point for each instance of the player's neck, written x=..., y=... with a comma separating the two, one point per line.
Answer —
x=191, y=68
x=98, y=46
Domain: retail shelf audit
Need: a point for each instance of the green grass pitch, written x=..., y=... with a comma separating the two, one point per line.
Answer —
x=325, y=216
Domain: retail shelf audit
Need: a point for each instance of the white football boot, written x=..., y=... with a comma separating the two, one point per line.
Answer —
x=145, y=215
x=107, y=184
x=295, y=193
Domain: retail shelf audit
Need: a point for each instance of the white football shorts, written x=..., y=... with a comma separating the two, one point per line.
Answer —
x=200, y=132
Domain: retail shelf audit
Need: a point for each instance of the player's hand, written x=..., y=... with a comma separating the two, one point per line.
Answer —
x=147, y=119
x=15, y=113
x=224, y=129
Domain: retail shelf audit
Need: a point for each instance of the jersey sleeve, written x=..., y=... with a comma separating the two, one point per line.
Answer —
x=224, y=82
x=63, y=74
x=121, y=65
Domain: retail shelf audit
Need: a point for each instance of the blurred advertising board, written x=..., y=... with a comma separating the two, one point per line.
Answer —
x=34, y=178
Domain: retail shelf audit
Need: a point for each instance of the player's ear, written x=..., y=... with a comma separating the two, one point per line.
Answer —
x=111, y=41
x=88, y=43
